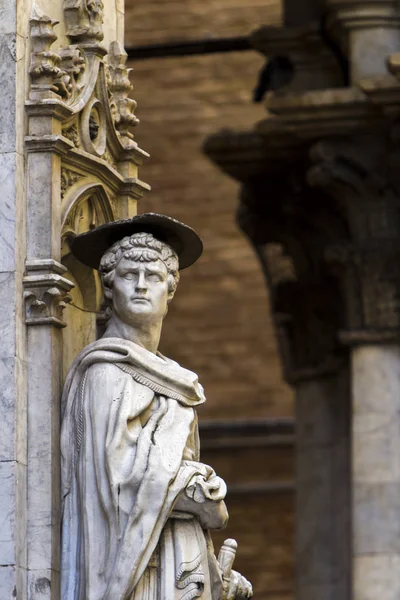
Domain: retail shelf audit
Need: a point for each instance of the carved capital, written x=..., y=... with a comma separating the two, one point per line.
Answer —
x=361, y=175
x=45, y=292
x=44, y=66
x=84, y=20
x=120, y=87
x=290, y=227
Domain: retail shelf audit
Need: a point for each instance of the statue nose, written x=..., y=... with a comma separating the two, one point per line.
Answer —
x=141, y=283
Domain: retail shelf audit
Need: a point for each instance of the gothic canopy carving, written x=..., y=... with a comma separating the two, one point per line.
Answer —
x=83, y=90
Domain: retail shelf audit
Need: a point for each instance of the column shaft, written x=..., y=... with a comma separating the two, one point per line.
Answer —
x=323, y=536
x=376, y=472
x=369, y=50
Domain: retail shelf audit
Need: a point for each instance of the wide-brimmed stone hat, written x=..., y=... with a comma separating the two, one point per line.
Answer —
x=89, y=247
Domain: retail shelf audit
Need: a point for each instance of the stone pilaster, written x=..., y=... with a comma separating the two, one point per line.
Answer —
x=13, y=434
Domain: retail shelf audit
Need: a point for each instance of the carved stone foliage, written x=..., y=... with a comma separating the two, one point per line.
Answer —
x=95, y=107
x=70, y=82
x=290, y=226
x=46, y=292
x=68, y=178
x=84, y=20
x=120, y=86
x=362, y=176
x=71, y=133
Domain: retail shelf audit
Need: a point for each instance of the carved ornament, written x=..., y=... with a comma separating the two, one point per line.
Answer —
x=88, y=95
x=73, y=65
x=357, y=173
x=68, y=178
x=120, y=87
x=290, y=226
x=84, y=20
x=45, y=292
x=72, y=134
x=44, y=66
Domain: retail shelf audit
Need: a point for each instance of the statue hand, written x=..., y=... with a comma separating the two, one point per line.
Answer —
x=201, y=489
x=235, y=586
x=239, y=588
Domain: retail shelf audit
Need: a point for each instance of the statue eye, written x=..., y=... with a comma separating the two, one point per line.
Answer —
x=129, y=276
x=154, y=277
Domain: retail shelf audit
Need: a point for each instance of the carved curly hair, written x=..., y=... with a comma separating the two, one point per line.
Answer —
x=141, y=247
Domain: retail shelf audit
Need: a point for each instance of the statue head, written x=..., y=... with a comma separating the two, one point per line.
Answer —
x=139, y=261
x=140, y=275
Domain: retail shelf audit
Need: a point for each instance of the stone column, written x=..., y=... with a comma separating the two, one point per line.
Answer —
x=376, y=471
x=369, y=32
x=361, y=175
x=317, y=368
x=290, y=233
x=323, y=529
x=13, y=457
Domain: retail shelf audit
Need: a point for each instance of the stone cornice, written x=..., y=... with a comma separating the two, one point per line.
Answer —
x=315, y=114
x=48, y=143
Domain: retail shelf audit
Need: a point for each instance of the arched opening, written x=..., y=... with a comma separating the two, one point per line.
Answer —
x=88, y=208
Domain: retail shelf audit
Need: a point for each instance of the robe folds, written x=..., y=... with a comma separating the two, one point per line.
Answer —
x=129, y=447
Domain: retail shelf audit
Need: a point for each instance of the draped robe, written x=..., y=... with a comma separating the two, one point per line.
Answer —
x=129, y=446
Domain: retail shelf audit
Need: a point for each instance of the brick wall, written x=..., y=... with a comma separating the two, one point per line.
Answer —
x=219, y=323
x=156, y=21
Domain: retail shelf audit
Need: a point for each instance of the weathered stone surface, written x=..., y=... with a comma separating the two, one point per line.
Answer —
x=376, y=470
x=376, y=576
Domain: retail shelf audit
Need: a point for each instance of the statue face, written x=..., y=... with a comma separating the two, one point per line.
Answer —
x=140, y=291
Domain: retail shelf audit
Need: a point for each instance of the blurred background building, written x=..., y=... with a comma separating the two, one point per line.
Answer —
x=292, y=317
x=219, y=324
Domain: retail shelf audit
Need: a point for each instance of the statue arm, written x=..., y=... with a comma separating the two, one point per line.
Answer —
x=211, y=514
x=204, y=496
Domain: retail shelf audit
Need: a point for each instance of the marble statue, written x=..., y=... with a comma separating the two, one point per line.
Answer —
x=137, y=501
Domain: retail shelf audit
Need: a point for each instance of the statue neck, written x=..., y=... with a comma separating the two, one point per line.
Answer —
x=147, y=335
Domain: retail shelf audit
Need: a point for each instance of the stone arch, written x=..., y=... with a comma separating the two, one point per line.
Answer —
x=86, y=209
